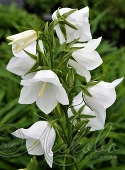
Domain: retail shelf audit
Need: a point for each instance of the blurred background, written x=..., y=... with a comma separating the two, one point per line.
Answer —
x=107, y=19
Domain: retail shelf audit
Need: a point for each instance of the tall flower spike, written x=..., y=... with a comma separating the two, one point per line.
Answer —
x=44, y=88
x=97, y=122
x=87, y=56
x=21, y=63
x=79, y=19
x=23, y=39
x=40, y=138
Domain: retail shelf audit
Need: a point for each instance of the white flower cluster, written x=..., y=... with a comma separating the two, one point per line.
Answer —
x=44, y=86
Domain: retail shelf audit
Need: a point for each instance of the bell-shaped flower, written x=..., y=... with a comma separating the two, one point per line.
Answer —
x=96, y=122
x=21, y=63
x=44, y=88
x=102, y=93
x=87, y=56
x=23, y=39
x=40, y=138
x=79, y=19
x=81, y=70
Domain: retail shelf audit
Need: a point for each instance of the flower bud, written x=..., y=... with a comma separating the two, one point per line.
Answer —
x=23, y=39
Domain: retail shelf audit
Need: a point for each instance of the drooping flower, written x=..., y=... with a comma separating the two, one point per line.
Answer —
x=40, y=138
x=103, y=94
x=23, y=39
x=79, y=19
x=21, y=63
x=44, y=88
x=87, y=56
x=97, y=122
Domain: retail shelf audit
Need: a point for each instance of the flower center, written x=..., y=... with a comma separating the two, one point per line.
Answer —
x=34, y=144
x=42, y=89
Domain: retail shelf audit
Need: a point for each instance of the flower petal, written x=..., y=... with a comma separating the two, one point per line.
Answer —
x=95, y=124
x=79, y=19
x=104, y=93
x=47, y=101
x=31, y=49
x=99, y=110
x=34, y=147
x=30, y=93
x=20, y=66
x=90, y=60
x=91, y=45
x=47, y=76
x=61, y=96
x=47, y=144
x=19, y=133
x=81, y=70
x=36, y=131
x=43, y=76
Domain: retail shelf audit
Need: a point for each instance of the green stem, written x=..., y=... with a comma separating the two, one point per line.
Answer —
x=68, y=137
x=69, y=127
x=76, y=166
x=64, y=167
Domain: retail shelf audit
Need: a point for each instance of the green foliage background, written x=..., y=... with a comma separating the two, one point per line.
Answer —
x=107, y=20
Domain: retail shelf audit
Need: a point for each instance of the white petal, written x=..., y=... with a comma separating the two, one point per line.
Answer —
x=34, y=147
x=89, y=60
x=61, y=11
x=30, y=93
x=104, y=93
x=81, y=15
x=37, y=131
x=47, y=76
x=61, y=96
x=59, y=34
x=31, y=49
x=80, y=20
x=92, y=44
x=19, y=133
x=47, y=144
x=81, y=70
x=47, y=101
x=99, y=110
x=20, y=66
x=95, y=124
x=28, y=76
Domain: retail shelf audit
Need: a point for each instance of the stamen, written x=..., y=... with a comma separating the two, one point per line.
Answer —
x=34, y=144
x=42, y=89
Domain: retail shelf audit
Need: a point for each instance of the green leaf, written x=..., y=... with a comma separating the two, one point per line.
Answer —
x=63, y=29
x=85, y=116
x=85, y=91
x=81, y=108
x=65, y=58
x=114, y=168
x=33, y=68
x=58, y=13
x=72, y=43
x=68, y=23
x=66, y=14
x=70, y=78
x=32, y=164
x=80, y=125
x=31, y=55
x=2, y=93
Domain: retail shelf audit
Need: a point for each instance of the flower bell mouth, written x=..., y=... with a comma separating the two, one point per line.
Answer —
x=42, y=89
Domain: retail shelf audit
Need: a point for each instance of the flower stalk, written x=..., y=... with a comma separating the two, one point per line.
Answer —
x=56, y=75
